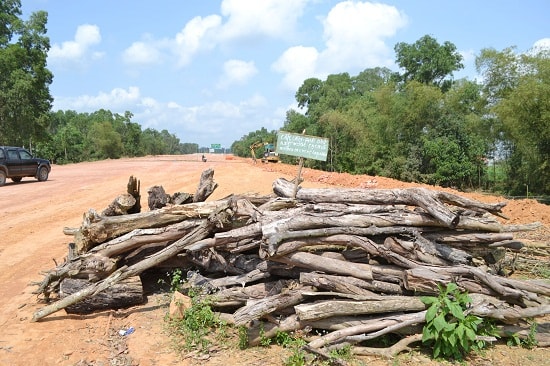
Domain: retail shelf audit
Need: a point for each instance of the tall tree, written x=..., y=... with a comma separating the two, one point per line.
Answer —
x=25, y=98
x=428, y=62
x=525, y=116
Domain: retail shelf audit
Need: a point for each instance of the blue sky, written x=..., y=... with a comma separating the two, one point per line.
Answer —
x=212, y=71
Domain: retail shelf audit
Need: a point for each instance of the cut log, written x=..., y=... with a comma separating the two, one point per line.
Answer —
x=218, y=217
x=349, y=285
x=126, y=293
x=96, y=229
x=430, y=200
x=388, y=304
x=120, y=205
x=257, y=309
x=319, y=263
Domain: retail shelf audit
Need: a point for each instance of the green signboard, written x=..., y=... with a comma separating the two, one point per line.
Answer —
x=311, y=147
x=215, y=146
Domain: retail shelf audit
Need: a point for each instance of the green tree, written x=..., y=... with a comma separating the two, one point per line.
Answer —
x=105, y=141
x=428, y=62
x=25, y=99
x=517, y=90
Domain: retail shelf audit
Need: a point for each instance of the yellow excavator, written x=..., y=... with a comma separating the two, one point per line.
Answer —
x=269, y=154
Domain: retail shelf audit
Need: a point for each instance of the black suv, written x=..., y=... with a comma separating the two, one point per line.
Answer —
x=16, y=163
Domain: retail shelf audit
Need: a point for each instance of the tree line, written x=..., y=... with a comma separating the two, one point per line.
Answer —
x=421, y=125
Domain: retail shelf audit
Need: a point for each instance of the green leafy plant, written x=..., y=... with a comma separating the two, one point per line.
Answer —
x=452, y=333
x=264, y=341
x=176, y=279
x=528, y=342
x=243, y=337
x=295, y=344
x=343, y=353
x=197, y=326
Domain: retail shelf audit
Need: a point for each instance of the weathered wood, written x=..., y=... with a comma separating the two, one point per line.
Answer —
x=96, y=229
x=423, y=278
x=206, y=187
x=120, y=295
x=120, y=205
x=430, y=200
x=319, y=263
x=141, y=237
x=242, y=294
x=490, y=307
x=218, y=217
x=133, y=188
x=386, y=325
x=308, y=225
x=158, y=198
x=256, y=309
x=90, y=267
x=350, y=285
x=388, y=352
x=388, y=304
x=344, y=260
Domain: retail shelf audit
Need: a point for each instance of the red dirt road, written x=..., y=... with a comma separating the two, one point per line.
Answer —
x=34, y=214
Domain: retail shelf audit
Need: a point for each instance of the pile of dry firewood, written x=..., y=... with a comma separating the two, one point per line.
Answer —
x=350, y=262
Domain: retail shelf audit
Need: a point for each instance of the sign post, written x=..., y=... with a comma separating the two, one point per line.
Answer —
x=303, y=146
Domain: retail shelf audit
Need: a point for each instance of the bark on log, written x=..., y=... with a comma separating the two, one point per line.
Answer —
x=318, y=263
x=96, y=229
x=218, y=217
x=206, y=187
x=120, y=205
x=158, y=198
x=309, y=225
x=350, y=285
x=388, y=304
x=141, y=237
x=120, y=295
x=387, y=324
x=257, y=309
x=423, y=278
x=133, y=188
x=431, y=201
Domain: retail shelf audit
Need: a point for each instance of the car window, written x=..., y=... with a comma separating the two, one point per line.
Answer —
x=2, y=154
x=12, y=154
x=25, y=154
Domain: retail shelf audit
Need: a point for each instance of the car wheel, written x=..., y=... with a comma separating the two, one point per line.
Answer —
x=2, y=178
x=16, y=179
x=42, y=174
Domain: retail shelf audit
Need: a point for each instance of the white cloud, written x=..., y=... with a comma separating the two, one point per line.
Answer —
x=79, y=49
x=297, y=64
x=196, y=35
x=355, y=36
x=272, y=18
x=141, y=53
x=237, y=72
x=243, y=19
x=117, y=100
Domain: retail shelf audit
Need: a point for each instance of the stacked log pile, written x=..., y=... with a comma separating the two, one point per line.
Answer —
x=350, y=262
